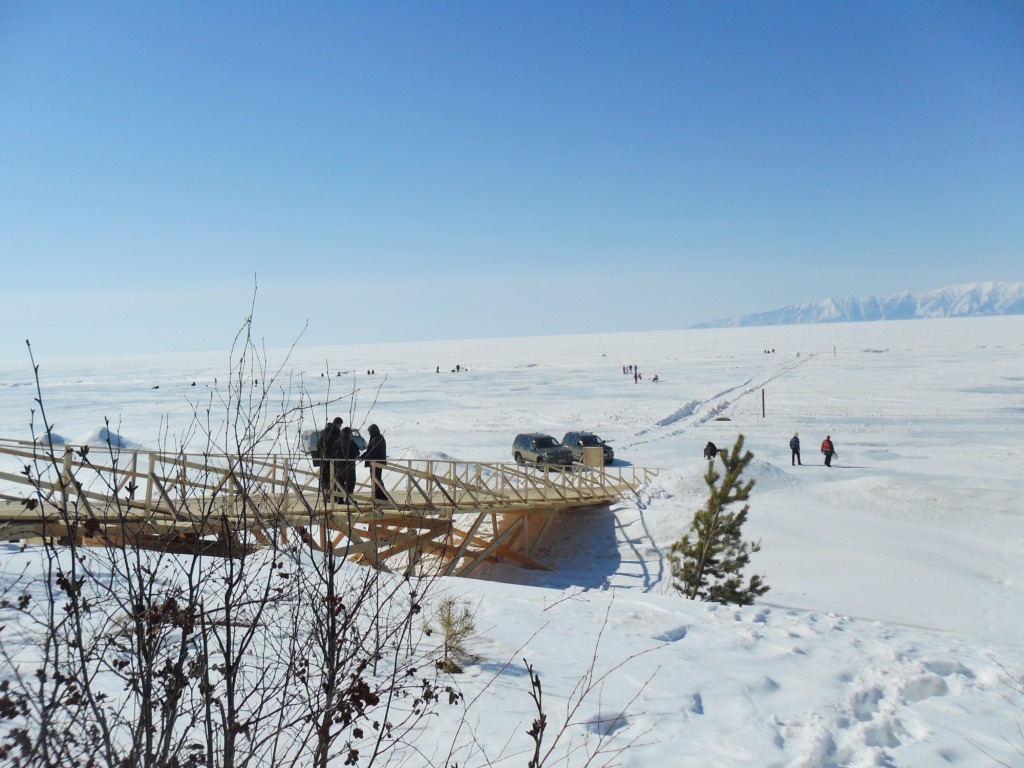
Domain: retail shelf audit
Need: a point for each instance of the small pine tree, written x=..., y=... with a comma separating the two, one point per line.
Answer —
x=457, y=626
x=707, y=563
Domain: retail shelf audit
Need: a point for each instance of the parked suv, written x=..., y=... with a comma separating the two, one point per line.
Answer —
x=539, y=448
x=577, y=441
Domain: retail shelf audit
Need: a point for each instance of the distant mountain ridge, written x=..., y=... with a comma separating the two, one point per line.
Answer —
x=968, y=300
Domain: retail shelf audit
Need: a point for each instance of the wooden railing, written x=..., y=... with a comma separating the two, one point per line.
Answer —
x=52, y=490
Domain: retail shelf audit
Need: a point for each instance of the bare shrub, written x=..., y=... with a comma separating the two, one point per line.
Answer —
x=203, y=638
x=163, y=655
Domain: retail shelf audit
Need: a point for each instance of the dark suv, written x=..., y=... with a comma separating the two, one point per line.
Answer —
x=577, y=441
x=538, y=448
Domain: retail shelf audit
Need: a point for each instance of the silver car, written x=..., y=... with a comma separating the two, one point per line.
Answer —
x=538, y=448
x=311, y=439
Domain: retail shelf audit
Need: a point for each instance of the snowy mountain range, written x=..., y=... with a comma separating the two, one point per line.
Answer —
x=968, y=300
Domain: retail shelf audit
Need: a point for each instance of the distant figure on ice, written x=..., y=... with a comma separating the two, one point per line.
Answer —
x=828, y=449
x=710, y=450
x=376, y=451
x=794, y=446
x=655, y=377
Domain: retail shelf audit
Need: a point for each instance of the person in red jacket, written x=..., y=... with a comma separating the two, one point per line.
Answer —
x=828, y=449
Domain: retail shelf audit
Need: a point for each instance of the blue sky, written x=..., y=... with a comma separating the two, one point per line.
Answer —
x=405, y=171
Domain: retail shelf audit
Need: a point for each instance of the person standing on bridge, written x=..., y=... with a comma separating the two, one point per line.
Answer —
x=376, y=455
x=348, y=453
x=329, y=447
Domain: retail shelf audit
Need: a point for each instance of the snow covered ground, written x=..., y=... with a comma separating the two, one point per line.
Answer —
x=895, y=620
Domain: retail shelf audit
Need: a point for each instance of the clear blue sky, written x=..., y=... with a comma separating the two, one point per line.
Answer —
x=404, y=171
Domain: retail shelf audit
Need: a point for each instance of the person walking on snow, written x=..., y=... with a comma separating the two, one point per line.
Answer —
x=794, y=446
x=828, y=449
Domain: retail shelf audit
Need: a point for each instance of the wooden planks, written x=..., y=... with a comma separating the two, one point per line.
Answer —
x=452, y=516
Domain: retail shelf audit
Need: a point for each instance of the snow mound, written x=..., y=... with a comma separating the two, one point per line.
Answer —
x=431, y=456
x=686, y=483
x=679, y=414
x=768, y=476
x=52, y=439
x=103, y=437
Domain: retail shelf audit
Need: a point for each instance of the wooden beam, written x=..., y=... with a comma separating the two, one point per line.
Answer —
x=488, y=551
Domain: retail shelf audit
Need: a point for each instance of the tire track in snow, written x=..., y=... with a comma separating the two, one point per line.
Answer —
x=697, y=412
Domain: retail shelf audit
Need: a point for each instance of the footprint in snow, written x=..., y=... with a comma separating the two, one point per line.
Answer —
x=672, y=635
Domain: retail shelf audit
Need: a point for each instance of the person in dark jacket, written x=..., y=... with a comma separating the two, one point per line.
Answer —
x=710, y=450
x=794, y=446
x=329, y=447
x=828, y=449
x=376, y=455
x=348, y=453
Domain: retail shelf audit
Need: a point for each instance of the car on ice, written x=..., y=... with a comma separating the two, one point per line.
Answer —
x=539, y=448
x=577, y=441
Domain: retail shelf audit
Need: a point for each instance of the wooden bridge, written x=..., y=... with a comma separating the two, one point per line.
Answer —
x=445, y=516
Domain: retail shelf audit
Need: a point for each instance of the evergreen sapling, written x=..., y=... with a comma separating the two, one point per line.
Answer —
x=457, y=627
x=707, y=563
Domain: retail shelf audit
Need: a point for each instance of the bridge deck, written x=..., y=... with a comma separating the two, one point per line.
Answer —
x=454, y=514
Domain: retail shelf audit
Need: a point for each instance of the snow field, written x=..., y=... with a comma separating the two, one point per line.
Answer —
x=896, y=612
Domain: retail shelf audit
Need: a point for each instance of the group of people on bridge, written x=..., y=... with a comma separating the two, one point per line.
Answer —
x=338, y=456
